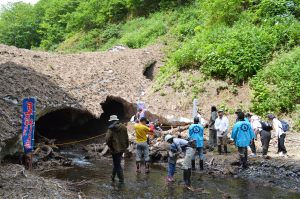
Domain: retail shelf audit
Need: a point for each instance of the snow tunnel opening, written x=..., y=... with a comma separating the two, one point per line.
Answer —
x=71, y=124
x=149, y=70
x=116, y=106
x=67, y=124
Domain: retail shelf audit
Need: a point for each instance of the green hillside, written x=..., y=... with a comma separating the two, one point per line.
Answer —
x=233, y=40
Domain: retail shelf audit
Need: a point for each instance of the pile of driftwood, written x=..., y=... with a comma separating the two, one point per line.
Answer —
x=158, y=147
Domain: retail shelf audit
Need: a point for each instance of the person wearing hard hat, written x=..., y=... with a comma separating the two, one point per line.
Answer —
x=179, y=145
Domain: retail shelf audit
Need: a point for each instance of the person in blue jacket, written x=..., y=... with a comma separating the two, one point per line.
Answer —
x=243, y=135
x=196, y=132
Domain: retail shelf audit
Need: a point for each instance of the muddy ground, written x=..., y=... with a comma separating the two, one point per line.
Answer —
x=281, y=172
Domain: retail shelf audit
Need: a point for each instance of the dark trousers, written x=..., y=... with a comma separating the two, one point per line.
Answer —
x=212, y=141
x=117, y=168
x=243, y=153
x=253, y=147
x=281, y=147
x=265, y=137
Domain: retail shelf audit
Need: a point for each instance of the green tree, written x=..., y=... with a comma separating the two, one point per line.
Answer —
x=276, y=88
x=18, y=26
x=93, y=14
x=53, y=17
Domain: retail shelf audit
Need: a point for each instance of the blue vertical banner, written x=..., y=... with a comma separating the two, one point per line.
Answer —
x=28, y=123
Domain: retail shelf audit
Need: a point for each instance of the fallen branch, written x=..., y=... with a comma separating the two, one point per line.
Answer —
x=211, y=162
x=20, y=171
x=105, y=150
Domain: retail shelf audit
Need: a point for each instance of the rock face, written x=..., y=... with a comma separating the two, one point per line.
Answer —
x=75, y=80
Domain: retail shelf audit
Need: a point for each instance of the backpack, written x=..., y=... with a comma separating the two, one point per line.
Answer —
x=266, y=126
x=285, y=126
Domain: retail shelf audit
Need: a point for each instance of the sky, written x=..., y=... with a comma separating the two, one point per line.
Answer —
x=4, y=2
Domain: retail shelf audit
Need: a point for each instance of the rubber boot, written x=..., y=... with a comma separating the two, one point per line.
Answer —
x=113, y=175
x=120, y=176
x=219, y=149
x=185, y=177
x=245, y=166
x=244, y=163
x=147, y=167
x=189, y=174
x=138, y=167
x=201, y=165
x=225, y=149
x=193, y=165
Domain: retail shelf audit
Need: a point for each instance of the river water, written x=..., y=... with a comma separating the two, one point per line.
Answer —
x=154, y=185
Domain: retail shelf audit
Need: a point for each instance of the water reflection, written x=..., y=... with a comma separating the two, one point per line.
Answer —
x=154, y=185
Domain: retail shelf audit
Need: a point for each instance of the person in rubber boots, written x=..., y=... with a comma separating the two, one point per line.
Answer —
x=177, y=146
x=117, y=141
x=196, y=132
x=222, y=126
x=242, y=135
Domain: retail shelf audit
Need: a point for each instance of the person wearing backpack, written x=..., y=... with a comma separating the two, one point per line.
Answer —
x=264, y=130
x=280, y=131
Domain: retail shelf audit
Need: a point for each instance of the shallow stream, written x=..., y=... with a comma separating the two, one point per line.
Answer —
x=95, y=176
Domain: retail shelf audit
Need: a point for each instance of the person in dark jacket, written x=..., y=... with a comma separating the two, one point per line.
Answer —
x=117, y=141
x=212, y=131
x=264, y=130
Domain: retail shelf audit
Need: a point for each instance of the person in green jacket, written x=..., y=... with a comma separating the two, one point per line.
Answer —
x=117, y=141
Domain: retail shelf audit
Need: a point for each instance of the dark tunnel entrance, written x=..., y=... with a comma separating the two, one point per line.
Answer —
x=116, y=106
x=149, y=71
x=67, y=124
x=71, y=124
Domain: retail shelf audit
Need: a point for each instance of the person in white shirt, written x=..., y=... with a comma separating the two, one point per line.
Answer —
x=222, y=126
x=252, y=144
x=277, y=127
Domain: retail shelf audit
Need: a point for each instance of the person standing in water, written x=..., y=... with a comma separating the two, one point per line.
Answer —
x=142, y=147
x=117, y=141
x=196, y=132
x=177, y=146
x=242, y=135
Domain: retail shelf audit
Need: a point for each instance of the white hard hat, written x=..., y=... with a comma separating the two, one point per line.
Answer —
x=168, y=137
